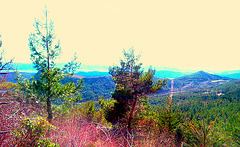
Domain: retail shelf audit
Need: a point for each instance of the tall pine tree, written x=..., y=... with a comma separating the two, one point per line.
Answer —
x=48, y=87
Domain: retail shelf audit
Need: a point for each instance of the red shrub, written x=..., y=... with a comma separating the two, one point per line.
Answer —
x=77, y=132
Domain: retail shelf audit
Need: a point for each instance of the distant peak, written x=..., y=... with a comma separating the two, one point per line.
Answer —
x=201, y=71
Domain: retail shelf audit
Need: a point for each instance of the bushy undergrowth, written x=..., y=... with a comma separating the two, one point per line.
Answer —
x=75, y=126
x=77, y=131
x=33, y=133
x=81, y=125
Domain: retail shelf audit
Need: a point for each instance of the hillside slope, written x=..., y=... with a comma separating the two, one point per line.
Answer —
x=199, y=79
x=94, y=87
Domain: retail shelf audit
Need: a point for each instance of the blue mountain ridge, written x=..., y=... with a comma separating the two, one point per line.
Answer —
x=100, y=70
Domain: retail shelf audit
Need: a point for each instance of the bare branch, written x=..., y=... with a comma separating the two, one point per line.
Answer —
x=1, y=103
x=3, y=132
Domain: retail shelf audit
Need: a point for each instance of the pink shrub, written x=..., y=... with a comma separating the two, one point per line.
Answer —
x=77, y=132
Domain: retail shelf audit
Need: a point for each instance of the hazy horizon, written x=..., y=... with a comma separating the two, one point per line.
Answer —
x=188, y=35
x=103, y=68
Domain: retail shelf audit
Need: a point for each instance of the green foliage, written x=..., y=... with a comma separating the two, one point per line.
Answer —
x=4, y=85
x=236, y=135
x=99, y=117
x=84, y=111
x=198, y=133
x=131, y=85
x=48, y=87
x=46, y=143
x=94, y=87
x=205, y=105
x=232, y=128
x=169, y=120
x=26, y=87
x=107, y=106
x=32, y=133
x=88, y=110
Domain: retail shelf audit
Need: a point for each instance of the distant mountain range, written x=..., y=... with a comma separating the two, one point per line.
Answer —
x=92, y=73
x=169, y=74
x=161, y=72
x=233, y=76
x=28, y=67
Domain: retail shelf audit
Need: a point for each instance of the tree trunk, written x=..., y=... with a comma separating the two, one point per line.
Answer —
x=49, y=110
x=131, y=115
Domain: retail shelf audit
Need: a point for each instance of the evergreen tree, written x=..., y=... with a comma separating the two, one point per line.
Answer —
x=198, y=133
x=132, y=85
x=168, y=119
x=236, y=136
x=48, y=87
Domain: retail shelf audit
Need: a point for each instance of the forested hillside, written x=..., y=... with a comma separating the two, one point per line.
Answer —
x=219, y=105
x=95, y=87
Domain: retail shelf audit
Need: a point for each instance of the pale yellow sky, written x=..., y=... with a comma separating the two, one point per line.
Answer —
x=186, y=34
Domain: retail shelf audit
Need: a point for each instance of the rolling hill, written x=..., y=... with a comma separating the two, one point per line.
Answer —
x=198, y=79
